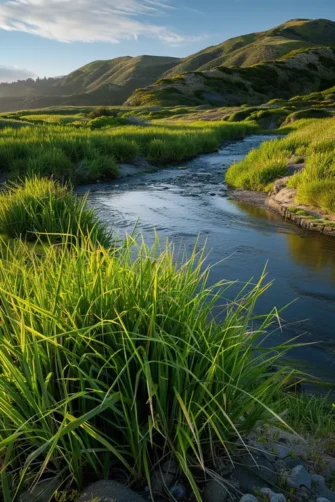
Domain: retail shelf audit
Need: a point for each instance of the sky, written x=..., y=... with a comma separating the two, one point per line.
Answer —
x=54, y=37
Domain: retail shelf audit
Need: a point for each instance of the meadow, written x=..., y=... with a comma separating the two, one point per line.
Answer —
x=89, y=151
x=311, y=142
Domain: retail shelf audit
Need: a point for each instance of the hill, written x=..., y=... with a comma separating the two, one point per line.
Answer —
x=112, y=82
x=301, y=72
x=254, y=48
x=108, y=82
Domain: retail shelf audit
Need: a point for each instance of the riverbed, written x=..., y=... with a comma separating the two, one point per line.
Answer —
x=190, y=200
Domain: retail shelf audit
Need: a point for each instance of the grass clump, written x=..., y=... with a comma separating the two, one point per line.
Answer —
x=114, y=359
x=315, y=183
x=43, y=209
x=260, y=167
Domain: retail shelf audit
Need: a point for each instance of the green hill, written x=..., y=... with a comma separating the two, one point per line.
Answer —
x=108, y=82
x=301, y=72
x=254, y=48
x=112, y=82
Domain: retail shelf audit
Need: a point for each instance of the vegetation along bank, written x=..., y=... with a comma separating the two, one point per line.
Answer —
x=296, y=172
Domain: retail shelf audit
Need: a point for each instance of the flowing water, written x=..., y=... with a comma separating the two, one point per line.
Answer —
x=190, y=200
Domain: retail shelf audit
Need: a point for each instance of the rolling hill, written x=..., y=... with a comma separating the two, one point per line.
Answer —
x=254, y=48
x=108, y=82
x=112, y=82
x=301, y=72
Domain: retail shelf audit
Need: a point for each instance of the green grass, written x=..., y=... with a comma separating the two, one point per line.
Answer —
x=309, y=414
x=114, y=359
x=40, y=209
x=315, y=183
x=84, y=155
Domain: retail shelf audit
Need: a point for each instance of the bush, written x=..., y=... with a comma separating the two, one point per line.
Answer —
x=43, y=209
x=113, y=359
x=100, y=122
x=100, y=112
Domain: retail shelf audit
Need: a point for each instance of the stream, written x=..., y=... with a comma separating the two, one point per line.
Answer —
x=191, y=200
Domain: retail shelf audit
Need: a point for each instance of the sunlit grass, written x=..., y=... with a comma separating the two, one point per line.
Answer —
x=114, y=358
x=83, y=155
x=312, y=140
x=40, y=209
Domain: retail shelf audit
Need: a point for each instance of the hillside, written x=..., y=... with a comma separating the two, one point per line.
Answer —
x=108, y=82
x=301, y=72
x=254, y=48
x=112, y=82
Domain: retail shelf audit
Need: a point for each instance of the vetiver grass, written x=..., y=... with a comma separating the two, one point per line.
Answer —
x=84, y=155
x=314, y=140
x=115, y=359
x=38, y=209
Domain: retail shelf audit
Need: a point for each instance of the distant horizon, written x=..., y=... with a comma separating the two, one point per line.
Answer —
x=50, y=38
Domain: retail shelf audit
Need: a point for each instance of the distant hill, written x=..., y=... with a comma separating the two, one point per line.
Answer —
x=300, y=72
x=108, y=82
x=254, y=48
x=113, y=81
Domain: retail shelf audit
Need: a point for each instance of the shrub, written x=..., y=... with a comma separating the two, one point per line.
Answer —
x=113, y=359
x=100, y=122
x=43, y=209
x=100, y=112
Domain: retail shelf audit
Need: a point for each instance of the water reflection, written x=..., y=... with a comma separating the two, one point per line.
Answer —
x=308, y=249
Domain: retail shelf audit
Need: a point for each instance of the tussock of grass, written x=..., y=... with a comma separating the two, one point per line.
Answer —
x=115, y=359
x=39, y=209
x=315, y=184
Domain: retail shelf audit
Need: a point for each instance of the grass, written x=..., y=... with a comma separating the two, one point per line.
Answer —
x=83, y=155
x=309, y=414
x=40, y=209
x=113, y=357
x=315, y=183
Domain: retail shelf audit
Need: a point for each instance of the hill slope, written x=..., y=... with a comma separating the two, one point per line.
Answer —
x=111, y=82
x=108, y=82
x=301, y=72
x=254, y=48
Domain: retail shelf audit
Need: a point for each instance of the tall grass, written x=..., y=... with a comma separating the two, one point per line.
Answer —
x=115, y=359
x=83, y=155
x=314, y=140
x=42, y=209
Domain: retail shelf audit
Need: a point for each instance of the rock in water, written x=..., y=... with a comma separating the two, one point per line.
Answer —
x=215, y=491
x=108, y=491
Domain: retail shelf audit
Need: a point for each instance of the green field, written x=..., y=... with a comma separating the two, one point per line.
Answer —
x=87, y=150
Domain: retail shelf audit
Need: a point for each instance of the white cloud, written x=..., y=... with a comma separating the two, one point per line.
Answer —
x=90, y=20
x=12, y=74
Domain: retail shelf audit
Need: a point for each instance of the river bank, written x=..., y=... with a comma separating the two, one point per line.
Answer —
x=282, y=202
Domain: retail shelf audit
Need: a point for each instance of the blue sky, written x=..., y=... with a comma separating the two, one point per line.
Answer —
x=54, y=37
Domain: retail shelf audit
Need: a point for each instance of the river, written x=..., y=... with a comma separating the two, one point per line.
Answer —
x=191, y=200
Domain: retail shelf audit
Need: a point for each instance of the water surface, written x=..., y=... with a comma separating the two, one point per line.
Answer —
x=190, y=200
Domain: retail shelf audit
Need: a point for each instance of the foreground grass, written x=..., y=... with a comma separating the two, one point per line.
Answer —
x=40, y=209
x=84, y=155
x=110, y=359
x=113, y=357
x=310, y=140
